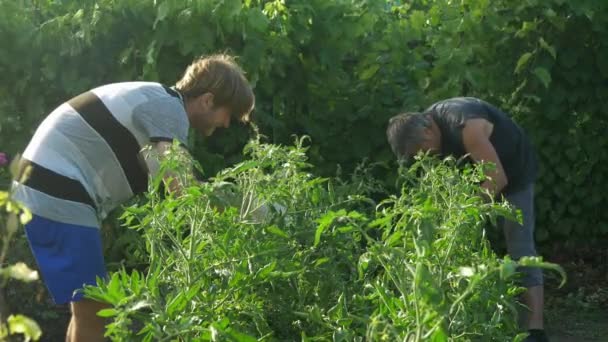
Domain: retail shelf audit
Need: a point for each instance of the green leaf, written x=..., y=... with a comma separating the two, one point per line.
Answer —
x=241, y=337
x=11, y=222
x=439, y=336
x=234, y=6
x=523, y=61
x=321, y=261
x=508, y=268
x=394, y=238
x=363, y=264
x=162, y=12
x=369, y=72
x=277, y=231
x=319, y=232
x=417, y=19
x=110, y=312
x=325, y=222
x=135, y=279
x=538, y=262
x=114, y=290
x=78, y=15
x=19, y=324
x=241, y=167
x=257, y=20
x=144, y=304
x=346, y=229
x=547, y=47
x=266, y=270
x=466, y=271
x=151, y=53
x=125, y=55
x=383, y=221
x=526, y=28
x=521, y=337
x=177, y=304
x=543, y=75
x=25, y=216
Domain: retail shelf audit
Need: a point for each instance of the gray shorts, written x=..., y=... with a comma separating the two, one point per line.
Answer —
x=520, y=238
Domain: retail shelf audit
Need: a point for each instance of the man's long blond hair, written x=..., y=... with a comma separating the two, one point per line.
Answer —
x=221, y=76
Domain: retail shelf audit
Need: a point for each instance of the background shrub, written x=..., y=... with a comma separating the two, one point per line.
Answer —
x=337, y=70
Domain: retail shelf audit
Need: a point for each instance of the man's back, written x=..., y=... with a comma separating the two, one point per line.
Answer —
x=92, y=144
x=509, y=140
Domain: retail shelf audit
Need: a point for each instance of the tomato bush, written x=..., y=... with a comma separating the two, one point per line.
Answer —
x=267, y=251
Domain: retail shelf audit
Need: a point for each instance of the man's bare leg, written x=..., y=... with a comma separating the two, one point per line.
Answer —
x=68, y=335
x=85, y=325
x=533, y=299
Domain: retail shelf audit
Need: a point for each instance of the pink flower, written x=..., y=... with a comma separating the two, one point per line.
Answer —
x=3, y=159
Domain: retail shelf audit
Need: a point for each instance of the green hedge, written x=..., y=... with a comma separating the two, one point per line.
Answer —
x=337, y=70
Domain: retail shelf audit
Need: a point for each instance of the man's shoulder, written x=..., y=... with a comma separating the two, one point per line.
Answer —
x=458, y=104
x=457, y=110
x=130, y=87
x=137, y=95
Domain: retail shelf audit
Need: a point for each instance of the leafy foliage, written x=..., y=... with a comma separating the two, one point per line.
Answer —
x=12, y=215
x=323, y=68
x=266, y=251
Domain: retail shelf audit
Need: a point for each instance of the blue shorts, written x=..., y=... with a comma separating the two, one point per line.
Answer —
x=68, y=256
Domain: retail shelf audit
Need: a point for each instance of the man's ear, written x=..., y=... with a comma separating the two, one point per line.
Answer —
x=206, y=101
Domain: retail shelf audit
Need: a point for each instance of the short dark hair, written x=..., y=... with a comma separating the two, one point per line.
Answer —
x=405, y=130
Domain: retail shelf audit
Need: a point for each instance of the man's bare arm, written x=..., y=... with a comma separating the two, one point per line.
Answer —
x=476, y=140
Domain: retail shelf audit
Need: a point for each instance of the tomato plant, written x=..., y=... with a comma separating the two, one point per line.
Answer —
x=265, y=250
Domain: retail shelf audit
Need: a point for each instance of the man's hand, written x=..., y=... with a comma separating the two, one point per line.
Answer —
x=154, y=158
x=476, y=139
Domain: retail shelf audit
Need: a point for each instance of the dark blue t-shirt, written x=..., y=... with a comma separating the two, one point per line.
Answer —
x=509, y=140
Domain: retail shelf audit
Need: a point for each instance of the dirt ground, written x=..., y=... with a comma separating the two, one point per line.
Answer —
x=590, y=325
x=579, y=311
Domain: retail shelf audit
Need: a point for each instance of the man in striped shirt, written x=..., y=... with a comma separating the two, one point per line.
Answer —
x=85, y=160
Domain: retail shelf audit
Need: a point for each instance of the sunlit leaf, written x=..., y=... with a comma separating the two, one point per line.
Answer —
x=277, y=231
x=19, y=324
x=111, y=312
x=467, y=271
x=543, y=75
x=266, y=270
x=20, y=271
x=12, y=223
x=14, y=167
x=547, y=47
x=369, y=72
x=3, y=198
x=162, y=12
x=522, y=61
x=25, y=216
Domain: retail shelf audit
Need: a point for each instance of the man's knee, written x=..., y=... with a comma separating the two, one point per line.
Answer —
x=531, y=276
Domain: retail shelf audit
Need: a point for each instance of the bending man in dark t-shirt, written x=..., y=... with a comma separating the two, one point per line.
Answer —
x=465, y=125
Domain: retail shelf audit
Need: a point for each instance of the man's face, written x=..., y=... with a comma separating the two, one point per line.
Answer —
x=430, y=143
x=215, y=118
x=208, y=117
